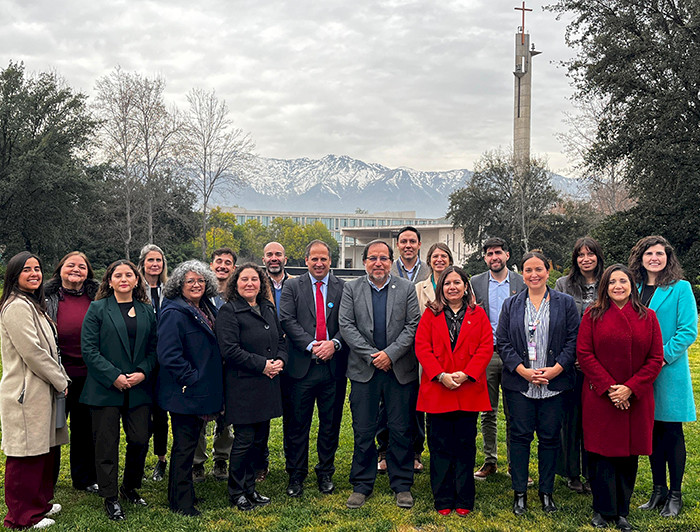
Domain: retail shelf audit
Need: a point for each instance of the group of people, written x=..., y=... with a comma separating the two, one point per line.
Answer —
x=597, y=367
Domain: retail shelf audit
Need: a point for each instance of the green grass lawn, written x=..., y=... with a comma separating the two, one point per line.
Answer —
x=328, y=513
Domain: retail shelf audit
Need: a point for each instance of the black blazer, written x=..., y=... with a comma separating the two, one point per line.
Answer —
x=247, y=341
x=298, y=319
x=512, y=343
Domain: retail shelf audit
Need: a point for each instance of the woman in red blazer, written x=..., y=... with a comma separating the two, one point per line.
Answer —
x=454, y=344
x=620, y=352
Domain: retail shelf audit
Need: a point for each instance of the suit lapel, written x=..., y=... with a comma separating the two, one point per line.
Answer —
x=142, y=328
x=660, y=295
x=366, y=291
x=332, y=295
x=390, y=298
x=307, y=293
x=115, y=314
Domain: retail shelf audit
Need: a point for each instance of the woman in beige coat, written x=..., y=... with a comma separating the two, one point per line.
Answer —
x=439, y=258
x=32, y=379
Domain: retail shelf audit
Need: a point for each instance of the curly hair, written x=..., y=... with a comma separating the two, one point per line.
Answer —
x=670, y=274
x=232, y=287
x=173, y=288
x=145, y=250
x=139, y=292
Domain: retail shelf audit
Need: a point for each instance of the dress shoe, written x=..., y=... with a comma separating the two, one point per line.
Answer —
x=243, y=503
x=404, y=499
x=673, y=505
x=417, y=464
x=381, y=463
x=132, y=496
x=547, y=502
x=92, y=488
x=356, y=500
x=325, y=484
x=485, y=471
x=220, y=471
x=54, y=510
x=159, y=470
x=198, y=474
x=463, y=512
x=575, y=484
x=623, y=524
x=114, y=510
x=295, y=488
x=258, y=500
x=445, y=511
x=520, y=503
x=587, y=490
x=261, y=475
x=658, y=497
x=599, y=521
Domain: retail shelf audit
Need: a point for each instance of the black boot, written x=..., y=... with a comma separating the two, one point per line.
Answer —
x=657, y=499
x=547, y=502
x=673, y=505
x=520, y=503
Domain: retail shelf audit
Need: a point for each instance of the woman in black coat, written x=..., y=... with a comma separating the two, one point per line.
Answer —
x=252, y=345
x=190, y=385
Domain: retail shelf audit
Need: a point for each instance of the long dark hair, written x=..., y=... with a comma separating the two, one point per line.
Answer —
x=232, y=286
x=670, y=274
x=14, y=268
x=440, y=302
x=576, y=278
x=57, y=271
x=139, y=292
x=602, y=304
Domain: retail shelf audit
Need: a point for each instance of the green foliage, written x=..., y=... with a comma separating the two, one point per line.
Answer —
x=642, y=59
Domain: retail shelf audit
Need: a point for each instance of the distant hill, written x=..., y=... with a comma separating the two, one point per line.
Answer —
x=343, y=184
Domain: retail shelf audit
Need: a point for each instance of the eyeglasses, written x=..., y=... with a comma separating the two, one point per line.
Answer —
x=383, y=258
x=192, y=282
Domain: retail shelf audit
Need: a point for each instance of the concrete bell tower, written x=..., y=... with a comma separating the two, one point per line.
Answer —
x=523, y=94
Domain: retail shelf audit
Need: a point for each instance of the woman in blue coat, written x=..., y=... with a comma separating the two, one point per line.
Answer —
x=190, y=382
x=536, y=338
x=662, y=288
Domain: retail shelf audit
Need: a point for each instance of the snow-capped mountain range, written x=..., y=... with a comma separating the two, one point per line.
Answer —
x=342, y=184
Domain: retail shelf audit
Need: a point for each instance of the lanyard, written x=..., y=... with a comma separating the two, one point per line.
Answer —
x=401, y=269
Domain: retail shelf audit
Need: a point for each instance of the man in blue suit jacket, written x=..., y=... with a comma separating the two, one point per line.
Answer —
x=378, y=318
x=316, y=368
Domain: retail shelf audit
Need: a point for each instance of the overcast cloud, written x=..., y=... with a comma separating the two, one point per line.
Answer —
x=426, y=84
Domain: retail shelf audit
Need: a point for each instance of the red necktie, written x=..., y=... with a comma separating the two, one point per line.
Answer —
x=320, y=314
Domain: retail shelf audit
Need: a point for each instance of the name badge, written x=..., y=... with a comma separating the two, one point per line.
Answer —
x=531, y=351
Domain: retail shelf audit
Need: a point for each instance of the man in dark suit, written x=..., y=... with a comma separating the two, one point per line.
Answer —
x=378, y=319
x=491, y=289
x=308, y=312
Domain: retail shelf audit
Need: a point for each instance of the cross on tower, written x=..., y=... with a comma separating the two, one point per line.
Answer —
x=523, y=9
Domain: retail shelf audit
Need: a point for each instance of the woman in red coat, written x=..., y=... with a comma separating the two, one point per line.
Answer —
x=454, y=344
x=620, y=352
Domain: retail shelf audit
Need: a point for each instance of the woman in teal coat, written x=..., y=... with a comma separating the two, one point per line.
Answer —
x=118, y=342
x=662, y=289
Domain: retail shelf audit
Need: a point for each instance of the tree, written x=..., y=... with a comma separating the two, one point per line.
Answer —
x=642, y=58
x=215, y=151
x=608, y=189
x=498, y=202
x=46, y=190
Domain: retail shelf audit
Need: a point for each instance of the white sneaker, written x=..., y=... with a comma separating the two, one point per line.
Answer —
x=54, y=510
x=44, y=523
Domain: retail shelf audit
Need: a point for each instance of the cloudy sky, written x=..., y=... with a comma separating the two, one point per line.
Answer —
x=426, y=84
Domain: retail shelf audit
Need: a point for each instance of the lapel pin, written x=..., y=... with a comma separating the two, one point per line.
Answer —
x=330, y=304
x=393, y=286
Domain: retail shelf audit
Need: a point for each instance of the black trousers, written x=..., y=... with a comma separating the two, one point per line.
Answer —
x=365, y=398
x=186, y=430
x=452, y=445
x=105, y=433
x=612, y=482
x=82, y=450
x=528, y=416
x=320, y=388
x=241, y=471
x=417, y=427
x=159, y=423
x=668, y=447
x=573, y=459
